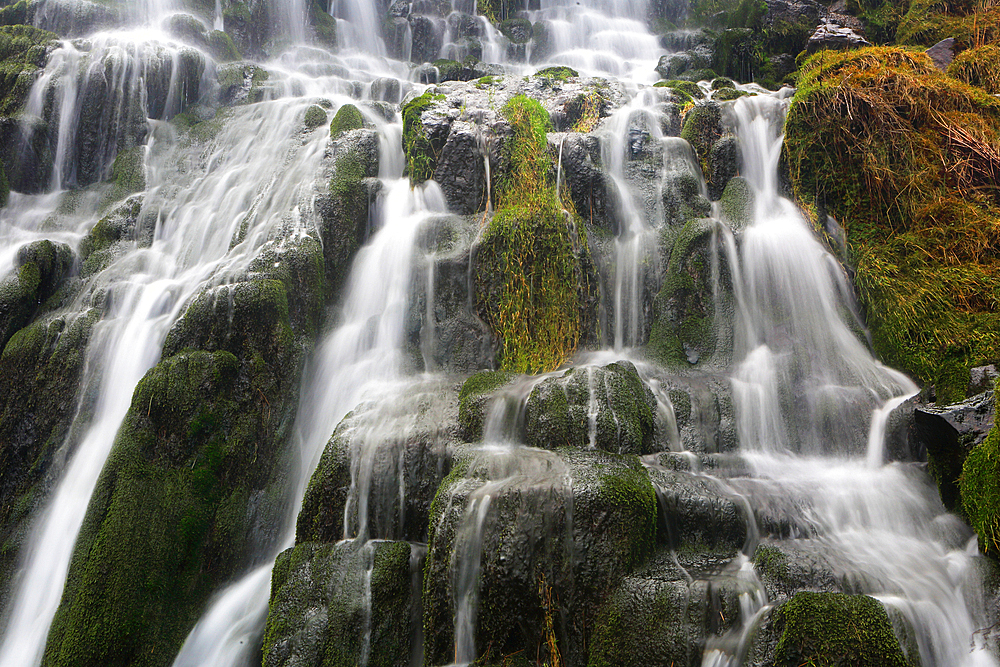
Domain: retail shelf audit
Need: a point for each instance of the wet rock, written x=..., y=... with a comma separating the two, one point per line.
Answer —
x=566, y=526
x=395, y=32
x=386, y=90
x=949, y=434
x=461, y=171
x=693, y=313
x=334, y=603
x=662, y=616
x=737, y=203
x=827, y=628
x=376, y=451
x=696, y=514
x=702, y=128
x=40, y=268
x=443, y=331
x=590, y=187
x=833, y=36
x=426, y=38
x=790, y=566
x=241, y=83
x=704, y=419
x=724, y=163
x=606, y=407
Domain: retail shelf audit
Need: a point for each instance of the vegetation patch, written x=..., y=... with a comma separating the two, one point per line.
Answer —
x=980, y=490
x=907, y=160
x=558, y=72
x=978, y=67
x=971, y=23
x=531, y=247
x=347, y=118
x=22, y=53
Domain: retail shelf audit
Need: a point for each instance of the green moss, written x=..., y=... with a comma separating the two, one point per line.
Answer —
x=128, y=173
x=702, y=128
x=315, y=116
x=681, y=96
x=627, y=487
x=448, y=70
x=722, y=82
x=347, y=118
x=835, y=629
x=978, y=67
x=487, y=81
x=771, y=562
x=421, y=153
x=323, y=24
x=557, y=73
x=22, y=53
x=222, y=48
x=979, y=486
x=922, y=214
x=690, y=88
x=726, y=94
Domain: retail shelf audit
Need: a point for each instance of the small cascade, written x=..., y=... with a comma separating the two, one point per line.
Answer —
x=468, y=556
x=358, y=26
x=99, y=94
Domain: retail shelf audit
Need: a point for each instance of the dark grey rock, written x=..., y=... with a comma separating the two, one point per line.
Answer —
x=942, y=53
x=982, y=378
x=427, y=36
x=724, y=163
x=834, y=36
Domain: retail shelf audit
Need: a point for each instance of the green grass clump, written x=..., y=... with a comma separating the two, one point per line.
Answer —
x=421, y=153
x=535, y=311
x=558, y=72
x=907, y=159
x=978, y=67
x=347, y=118
x=980, y=490
x=835, y=629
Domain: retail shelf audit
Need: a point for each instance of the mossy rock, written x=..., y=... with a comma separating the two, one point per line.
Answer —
x=912, y=211
x=607, y=407
x=345, y=211
x=558, y=73
x=702, y=128
x=517, y=30
x=831, y=629
x=23, y=50
x=167, y=523
x=737, y=203
x=242, y=83
x=222, y=47
x=40, y=372
x=696, y=75
x=4, y=186
x=693, y=311
x=476, y=395
x=421, y=148
x=347, y=118
x=128, y=173
x=978, y=67
x=40, y=269
x=314, y=116
x=696, y=516
x=721, y=82
x=689, y=87
x=727, y=94
x=324, y=25
x=528, y=558
x=321, y=613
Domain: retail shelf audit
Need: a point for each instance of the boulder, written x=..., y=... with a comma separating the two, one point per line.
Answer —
x=830, y=35
x=942, y=53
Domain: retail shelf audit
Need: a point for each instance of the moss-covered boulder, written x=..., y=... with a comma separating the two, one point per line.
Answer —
x=40, y=268
x=979, y=490
x=241, y=83
x=663, y=615
x=920, y=215
x=737, y=203
x=828, y=629
x=604, y=407
x=345, y=604
x=693, y=313
x=347, y=118
x=382, y=455
x=554, y=526
x=40, y=372
x=702, y=128
x=969, y=23
x=23, y=50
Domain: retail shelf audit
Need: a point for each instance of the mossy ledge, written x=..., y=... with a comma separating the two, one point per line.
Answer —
x=979, y=486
